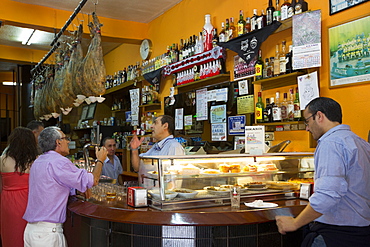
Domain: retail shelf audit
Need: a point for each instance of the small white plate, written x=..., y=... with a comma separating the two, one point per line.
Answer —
x=264, y=205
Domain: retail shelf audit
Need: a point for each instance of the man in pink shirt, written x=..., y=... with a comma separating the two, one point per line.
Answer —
x=52, y=176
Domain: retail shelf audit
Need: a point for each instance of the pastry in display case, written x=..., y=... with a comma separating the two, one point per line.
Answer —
x=193, y=181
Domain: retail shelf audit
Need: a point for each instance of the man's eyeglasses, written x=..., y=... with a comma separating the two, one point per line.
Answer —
x=66, y=138
x=306, y=120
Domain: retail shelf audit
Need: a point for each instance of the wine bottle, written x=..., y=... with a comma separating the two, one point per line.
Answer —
x=276, y=110
x=291, y=8
x=241, y=24
x=259, y=109
x=277, y=12
x=284, y=108
x=269, y=13
x=254, y=25
x=290, y=109
x=267, y=111
x=270, y=111
x=207, y=33
x=284, y=10
x=259, y=66
x=297, y=107
x=289, y=61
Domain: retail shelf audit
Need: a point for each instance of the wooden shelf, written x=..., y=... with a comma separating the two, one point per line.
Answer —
x=124, y=85
x=279, y=81
x=280, y=123
x=208, y=82
x=285, y=24
x=153, y=106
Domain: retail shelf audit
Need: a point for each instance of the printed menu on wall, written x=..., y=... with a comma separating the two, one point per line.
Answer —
x=255, y=139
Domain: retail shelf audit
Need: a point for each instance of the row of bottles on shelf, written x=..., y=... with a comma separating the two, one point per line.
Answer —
x=279, y=65
x=199, y=72
x=146, y=121
x=121, y=139
x=276, y=111
x=121, y=76
x=149, y=94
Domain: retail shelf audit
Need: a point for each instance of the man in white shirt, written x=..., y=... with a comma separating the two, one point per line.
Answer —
x=162, y=130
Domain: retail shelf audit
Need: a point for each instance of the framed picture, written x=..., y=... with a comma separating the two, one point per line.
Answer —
x=85, y=109
x=91, y=111
x=349, y=53
x=340, y=5
x=239, y=142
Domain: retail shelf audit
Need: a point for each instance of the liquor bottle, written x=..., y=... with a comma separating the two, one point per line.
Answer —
x=269, y=13
x=259, y=66
x=227, y=27
x=270, y=68
x=200, y=47
x=215, y=38
x=271, y=106
x=290, y=108
x=277, y=61
x=297, y=107
x=264, y=71
x=232, y=29
x=291, y=8
x=284, y=108
x=282, y=58
x=193, y=46
x=284, y=10
x=261, y=20
x=247, y=28
x=276, y=110
x=277, y=12
x=207, y=33
x=289, y=61
x=222, y=36
x=259, y=109
x=267, y=111
x=301, y=6
x=241, y=24
x=254, y=25
x=185, y=49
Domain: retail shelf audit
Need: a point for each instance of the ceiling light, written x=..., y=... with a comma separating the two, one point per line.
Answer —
x=10, y=83
x=30, y=36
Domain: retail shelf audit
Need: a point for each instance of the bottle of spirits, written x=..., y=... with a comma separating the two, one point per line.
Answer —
x=269, y=13
x=284, y=10
x=227, y=28
x=215, y=38
x=207, y=33
x=277, y=61
x=247, y=25
x=232, y=29
x=289, y=61
x=277, y=12
x=259, y=108
x=222, y=36
x=297, y=107
x=276, y=110
x=241, y=24
x=270, y=68
x=264, y=71
x=261, y=20
x=291, y=8
x=271, y=106
x=284, y=108
x=254, y=25
x=259, y=66
x=290, y=108
x=267, y=111
x=301, y=6
x=282, y=58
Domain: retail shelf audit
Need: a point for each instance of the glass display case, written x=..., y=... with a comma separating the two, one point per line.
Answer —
x=194, y=181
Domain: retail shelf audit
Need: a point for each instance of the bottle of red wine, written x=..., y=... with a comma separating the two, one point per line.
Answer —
x=269, y=13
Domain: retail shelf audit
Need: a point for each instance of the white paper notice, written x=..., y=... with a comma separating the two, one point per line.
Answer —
x=308, y=88
x=179, y=119
x=243, y=87
x=255, y=139
x=219, y=132
x=212, y=95
x=188, y=120
x=134, y=97
x=221, y=94
x=307, y=40
x=202, y=106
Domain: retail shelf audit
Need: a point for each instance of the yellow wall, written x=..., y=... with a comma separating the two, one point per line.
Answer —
x=187, y=18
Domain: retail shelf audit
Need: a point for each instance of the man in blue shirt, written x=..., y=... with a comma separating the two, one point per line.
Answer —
x=162, y=130
x=112, y=165
x=340, y=206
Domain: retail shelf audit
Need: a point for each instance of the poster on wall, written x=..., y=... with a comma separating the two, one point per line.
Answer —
x=255, y=139
x=218, y=114
x=201, y=104
x=218, y=132
x=307, y=40
x=350, y=53
x=134, y=97
x=245, y=104
x=340, y=5
x=308, y=88
x=236, y=125
x=179, y=119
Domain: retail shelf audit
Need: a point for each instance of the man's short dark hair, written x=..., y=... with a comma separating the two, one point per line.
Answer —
x=328, y=106
x=34, y=125
x=107, y=138
x=170, y=121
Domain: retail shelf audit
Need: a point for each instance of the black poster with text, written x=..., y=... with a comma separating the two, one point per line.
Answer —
x=247, y=45
x=154, y=77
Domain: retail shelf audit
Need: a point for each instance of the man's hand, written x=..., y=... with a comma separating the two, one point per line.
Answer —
x=135, y=142
x=286, y=224
x=87, y=193
x=101, y=153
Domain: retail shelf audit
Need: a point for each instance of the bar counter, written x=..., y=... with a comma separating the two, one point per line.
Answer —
x=116, y=224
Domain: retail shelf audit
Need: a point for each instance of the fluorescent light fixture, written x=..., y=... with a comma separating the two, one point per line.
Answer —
x=30, y=36
x=10, y=83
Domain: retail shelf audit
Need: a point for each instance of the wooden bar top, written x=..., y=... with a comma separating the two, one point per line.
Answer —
x=117, y=211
